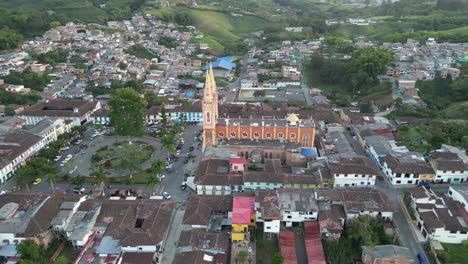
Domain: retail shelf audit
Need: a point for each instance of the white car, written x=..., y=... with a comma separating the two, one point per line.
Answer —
x=68, y=157
x=166, y=195
x=58, y=158
x=162, y=177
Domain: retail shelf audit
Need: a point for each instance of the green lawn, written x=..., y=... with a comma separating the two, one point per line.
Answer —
x=219, y=27
x=454, y=253
x=265, y=247
x=138, y=178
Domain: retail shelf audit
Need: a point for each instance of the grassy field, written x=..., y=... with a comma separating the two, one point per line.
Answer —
x=218, y=27
x=454, y=253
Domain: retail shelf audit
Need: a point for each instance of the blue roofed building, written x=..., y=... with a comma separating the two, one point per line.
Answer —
x=222, y=67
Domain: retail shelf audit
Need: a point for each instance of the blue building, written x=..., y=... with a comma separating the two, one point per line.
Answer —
x=222, y=66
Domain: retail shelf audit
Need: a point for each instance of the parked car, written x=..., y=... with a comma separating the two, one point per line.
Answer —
x=183, y=186
x=166, y=195
x=79, y=190
x=58, y=158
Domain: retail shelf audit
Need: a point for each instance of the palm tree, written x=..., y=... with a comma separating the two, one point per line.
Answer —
x=152, y=181
x=128, y=180
x=167, y=142
x=158, y=167
x=24, y=176
x=77, y=180
x=100, y=178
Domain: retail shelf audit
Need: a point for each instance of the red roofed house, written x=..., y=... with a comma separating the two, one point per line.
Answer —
x=313, y=243
x=287, y=246
x=237, y=164
x=243, y=216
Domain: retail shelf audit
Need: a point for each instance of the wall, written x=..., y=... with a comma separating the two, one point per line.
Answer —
x=411, y=179
x=450, y=176
x=458, y=197
x=299, y=217
x=139, y=249
x=272, y=226
x=10, y=237
x=353, y=180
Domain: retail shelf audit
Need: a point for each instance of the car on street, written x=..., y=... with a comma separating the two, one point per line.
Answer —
x=191, y=148
x=68, y=157
x=65, y=148
x=166, y=195
x=37, y=181
x=183, y=186
x=161, y=177
x=78, y=142
x=58, y=158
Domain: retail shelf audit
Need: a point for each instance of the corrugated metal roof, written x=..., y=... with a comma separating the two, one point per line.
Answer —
x=313, y=243
x=287, y=246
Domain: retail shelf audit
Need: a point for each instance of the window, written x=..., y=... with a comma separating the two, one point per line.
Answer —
x=398, y=181
x=268, y=227
x=232, y=134
x=415, y=176
x=236, y=168
x=268, y=135
x=292, y=135
x=289, y=217
x=256, y=135
x=398, y=175
x=444, y=171
x=453, y=171
x=346, y=175
x=456, y=179
x=280, y=135
x=410, y=182
x=363, y=176
x=221, y=134
x=407, y=175
x=438, y=176
x=362, y=183
x=245, y=134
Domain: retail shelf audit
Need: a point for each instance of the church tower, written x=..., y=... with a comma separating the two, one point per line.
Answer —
x=209, y=109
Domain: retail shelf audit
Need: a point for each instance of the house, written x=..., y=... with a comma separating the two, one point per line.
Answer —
x=297, y=206
x=450, y=166
x=238, y=164
x=19, y=89
x=213, y=178
x=268, y=210
x=177, y=113
x=287, y=246
x=201, y=247
x=201, y=209
x=358, y=202
x=313, y=243
x=387, y=254
x=222, y=66
x=459, y=194
x=101, y=117
x=243, y=216
x=357, y=172
x=133, y=225
x=36, y=67
x=27, y=216
x=77, y=111
x=407, y=169
x=439, y=217
x=331, y=220
x=15, y=149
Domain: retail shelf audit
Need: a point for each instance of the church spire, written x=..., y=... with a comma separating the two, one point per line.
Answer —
x=210, y=109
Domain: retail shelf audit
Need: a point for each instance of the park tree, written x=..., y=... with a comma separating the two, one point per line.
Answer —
x=366, y=64
x=32, y=252
x=126, y=112
x=158, y=167
x=77, y=180
x=100, y=178
x=152, y=181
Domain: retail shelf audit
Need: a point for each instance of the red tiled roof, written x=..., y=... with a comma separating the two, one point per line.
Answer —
x=287, y=246
x=238, y=160
x=243, y=207
x=313, y=243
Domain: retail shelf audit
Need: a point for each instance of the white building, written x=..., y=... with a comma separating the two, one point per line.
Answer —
x=459, y=194
x=438, y=217
x=406, y=169
x=77, y=111
x=50, y=129
x=450, y=165
x=15, y=149
x=357, y=172
x=297, y=206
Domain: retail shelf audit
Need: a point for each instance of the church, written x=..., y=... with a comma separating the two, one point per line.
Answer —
x=247, y=122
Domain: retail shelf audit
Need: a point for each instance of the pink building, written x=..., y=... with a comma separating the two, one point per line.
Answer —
x=238, y=164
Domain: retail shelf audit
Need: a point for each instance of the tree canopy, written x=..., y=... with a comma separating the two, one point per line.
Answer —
x=127, y=112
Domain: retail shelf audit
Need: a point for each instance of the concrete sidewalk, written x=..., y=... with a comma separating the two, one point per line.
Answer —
x=172, y=239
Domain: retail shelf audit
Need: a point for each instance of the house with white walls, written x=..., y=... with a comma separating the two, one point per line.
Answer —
x=268, y=211
x=297, y=206
x=460, y=194
x=407, y=169
x=450, y=165
x=438, y=217
x=354, y=172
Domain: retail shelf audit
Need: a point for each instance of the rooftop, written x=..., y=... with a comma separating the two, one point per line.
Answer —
x=297, y=200
x=60, y=108
x=200, y=208
x=388, y=252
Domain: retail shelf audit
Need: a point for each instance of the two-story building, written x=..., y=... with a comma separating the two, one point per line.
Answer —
x=176, y=113
x=450, y=167
x=407, y=169
x=77, y=111
x=357, y=172
x=243, y=216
